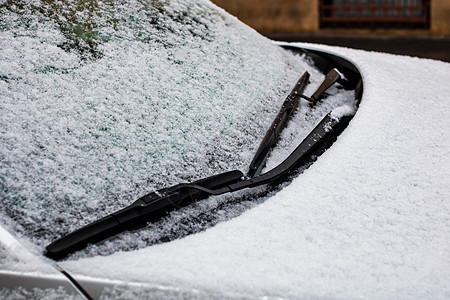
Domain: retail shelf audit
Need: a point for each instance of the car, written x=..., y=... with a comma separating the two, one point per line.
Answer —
x=104, y=103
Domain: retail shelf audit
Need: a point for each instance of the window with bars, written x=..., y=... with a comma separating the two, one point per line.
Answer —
x=374, y=14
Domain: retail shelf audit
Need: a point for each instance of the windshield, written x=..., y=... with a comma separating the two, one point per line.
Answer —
x=105, y=101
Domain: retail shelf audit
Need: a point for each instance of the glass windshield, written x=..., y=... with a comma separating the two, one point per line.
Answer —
x=104, y=101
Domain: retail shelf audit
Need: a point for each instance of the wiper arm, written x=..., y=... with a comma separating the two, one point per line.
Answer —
x=329, y=80
x=157, y=204
x=286, y=111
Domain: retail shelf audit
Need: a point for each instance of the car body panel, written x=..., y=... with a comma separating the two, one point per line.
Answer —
x=368, y=220
x=101, y=287
x=345, y=228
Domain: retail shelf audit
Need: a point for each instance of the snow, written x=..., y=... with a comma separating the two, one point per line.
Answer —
x=98, y=109
x=37, y=293
x=369, y=219
x=17, y=261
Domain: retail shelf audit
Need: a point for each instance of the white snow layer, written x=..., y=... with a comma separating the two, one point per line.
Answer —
x=370, y=219
x=102, y=103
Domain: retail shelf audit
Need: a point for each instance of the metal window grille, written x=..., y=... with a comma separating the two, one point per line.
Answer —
x=414, y=14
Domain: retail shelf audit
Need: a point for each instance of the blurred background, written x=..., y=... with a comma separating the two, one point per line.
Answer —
x=410, y=27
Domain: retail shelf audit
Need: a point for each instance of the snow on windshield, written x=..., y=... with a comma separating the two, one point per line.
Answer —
x=104, y=101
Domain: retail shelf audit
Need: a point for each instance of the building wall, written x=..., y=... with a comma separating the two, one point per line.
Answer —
x=278, y=16
x=440, y=16
x=274, y=15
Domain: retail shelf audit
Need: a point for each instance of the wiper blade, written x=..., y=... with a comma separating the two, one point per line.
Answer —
x=271, y=137
x=147, y=208
x=157, y=204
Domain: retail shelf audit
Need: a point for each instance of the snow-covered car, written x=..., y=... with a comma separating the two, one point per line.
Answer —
x=109, y=103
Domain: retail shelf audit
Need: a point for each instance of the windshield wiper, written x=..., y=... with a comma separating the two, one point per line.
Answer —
x=157, y=204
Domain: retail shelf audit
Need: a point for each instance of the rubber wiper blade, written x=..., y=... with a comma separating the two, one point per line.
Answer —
x=272, y=135
x=147, y=208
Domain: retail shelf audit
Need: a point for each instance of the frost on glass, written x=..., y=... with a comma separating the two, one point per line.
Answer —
x=104, y=101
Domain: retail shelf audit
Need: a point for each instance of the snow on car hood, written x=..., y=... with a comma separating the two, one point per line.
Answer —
x=370, y=219
x=104, y=101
